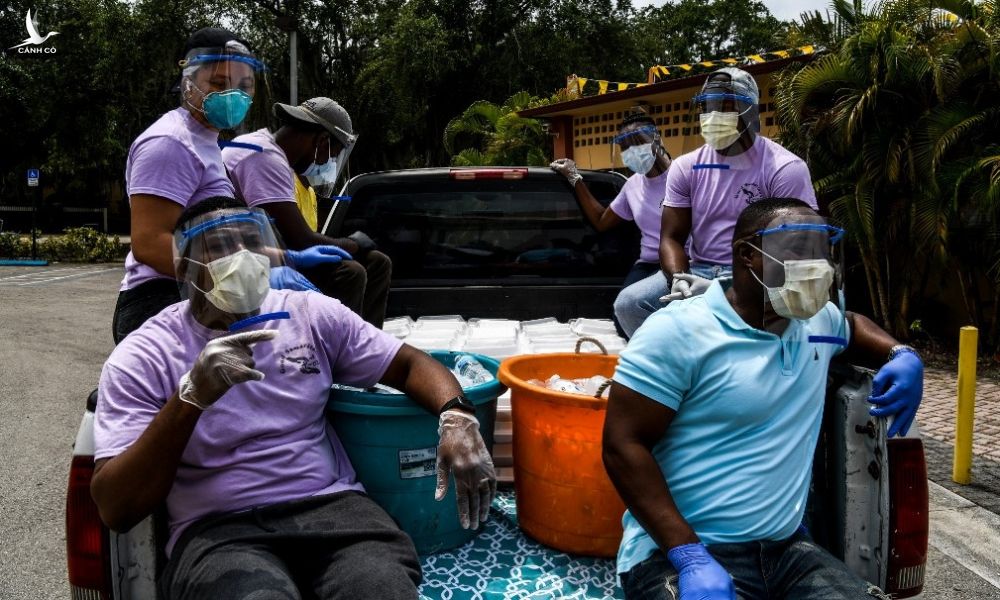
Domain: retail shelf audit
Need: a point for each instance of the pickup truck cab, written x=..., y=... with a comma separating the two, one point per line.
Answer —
x=511, y=243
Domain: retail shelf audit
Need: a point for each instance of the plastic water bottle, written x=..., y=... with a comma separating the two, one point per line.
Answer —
x=559, y=384
x=471, y=372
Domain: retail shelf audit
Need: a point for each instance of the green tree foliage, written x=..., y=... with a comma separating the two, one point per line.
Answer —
x=74, y=113
x=487, y=134
x=899, y=124
x=403, y=69
x=695, y=30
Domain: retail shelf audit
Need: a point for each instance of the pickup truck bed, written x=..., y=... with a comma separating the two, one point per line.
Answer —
x=516, y=247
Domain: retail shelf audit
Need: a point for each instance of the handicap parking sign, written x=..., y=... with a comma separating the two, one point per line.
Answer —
x=32, y=177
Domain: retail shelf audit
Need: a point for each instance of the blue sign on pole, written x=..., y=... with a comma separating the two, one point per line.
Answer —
x=32, y=173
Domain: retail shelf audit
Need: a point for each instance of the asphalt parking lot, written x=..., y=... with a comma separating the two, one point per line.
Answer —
x=55, y=329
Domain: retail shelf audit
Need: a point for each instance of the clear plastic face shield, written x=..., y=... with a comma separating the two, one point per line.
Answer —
x=638, y=148
x=721, y=117
x=227, y=86
x=225, y=258
x=803, y=269
x=330, y=161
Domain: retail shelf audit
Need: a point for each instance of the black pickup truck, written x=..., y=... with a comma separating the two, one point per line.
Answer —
x=511, y=243
x=491, y=242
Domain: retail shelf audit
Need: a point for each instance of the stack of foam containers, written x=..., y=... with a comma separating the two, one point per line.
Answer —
x=499, y=339
x=603, y=330
x=496, y=338
x=502, y=338
x=399, y=327
x=445, y=332
x=546, y=335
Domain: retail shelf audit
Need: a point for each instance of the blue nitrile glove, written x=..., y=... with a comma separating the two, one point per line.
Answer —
x=897, y=389
x=315, y=255
x=701, y=576
x=287, y=278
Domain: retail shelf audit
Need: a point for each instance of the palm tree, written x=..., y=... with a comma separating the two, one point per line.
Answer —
x=487, y=134
x=899, y=126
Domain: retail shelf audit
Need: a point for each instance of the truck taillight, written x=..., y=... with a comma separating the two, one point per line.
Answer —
x=908, y=518
x=87, y=545
x=472, y=174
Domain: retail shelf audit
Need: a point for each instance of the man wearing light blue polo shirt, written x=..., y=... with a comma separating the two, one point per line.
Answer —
x=715, y=412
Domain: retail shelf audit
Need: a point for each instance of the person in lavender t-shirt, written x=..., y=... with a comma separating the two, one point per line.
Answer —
x=707, y=188
x=639, y=199
x=176, y=162
x=314, y=141
x=229, y=429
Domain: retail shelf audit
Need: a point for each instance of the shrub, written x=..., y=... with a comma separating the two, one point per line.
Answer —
x=12, y=246
x=81, y=244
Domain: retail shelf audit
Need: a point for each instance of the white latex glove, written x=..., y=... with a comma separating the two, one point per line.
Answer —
x=686, y=285
x=567, y=168
x=223, y=363
x=462, y=452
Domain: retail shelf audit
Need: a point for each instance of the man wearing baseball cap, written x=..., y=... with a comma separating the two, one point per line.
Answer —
x=706, y=189
x=313, y=143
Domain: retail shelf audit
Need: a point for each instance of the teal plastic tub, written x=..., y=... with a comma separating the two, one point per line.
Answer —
x=392, y=443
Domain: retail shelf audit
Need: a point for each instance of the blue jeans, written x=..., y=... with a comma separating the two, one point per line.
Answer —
x=639, y=271
x=642, y=298
x=792, y=569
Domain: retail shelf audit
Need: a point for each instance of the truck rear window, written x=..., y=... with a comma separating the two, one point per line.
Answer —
x=530, y=230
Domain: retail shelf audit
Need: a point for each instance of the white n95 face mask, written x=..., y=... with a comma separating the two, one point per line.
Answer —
x=806, y=289
x=239, y=281
x=639, y=159
x=720, y=129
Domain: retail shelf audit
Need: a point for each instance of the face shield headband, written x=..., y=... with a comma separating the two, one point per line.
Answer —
x=201, y=59
x=642, y=135
x=262, y=222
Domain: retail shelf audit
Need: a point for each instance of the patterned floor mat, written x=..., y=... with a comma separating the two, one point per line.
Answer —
x=502, y=563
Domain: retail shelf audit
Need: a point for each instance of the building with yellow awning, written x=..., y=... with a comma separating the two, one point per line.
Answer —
x=582, y=127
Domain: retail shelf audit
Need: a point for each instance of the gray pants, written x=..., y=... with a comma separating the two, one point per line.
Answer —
x=340, y=546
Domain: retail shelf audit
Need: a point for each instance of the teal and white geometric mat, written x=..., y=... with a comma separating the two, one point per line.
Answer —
x=501, y=563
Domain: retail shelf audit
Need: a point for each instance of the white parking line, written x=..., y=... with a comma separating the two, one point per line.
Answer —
x=49, y=276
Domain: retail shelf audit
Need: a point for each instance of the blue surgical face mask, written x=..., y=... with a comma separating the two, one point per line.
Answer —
x=639, y=159
x=320, y=174
x=226, y=109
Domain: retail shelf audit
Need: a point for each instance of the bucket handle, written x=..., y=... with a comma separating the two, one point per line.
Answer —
x=601, y=388
x=594, y=341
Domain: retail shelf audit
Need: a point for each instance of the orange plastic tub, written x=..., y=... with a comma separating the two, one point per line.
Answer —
x=564, y=497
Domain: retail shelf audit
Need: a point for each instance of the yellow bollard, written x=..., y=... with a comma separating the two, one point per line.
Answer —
x=961, y=471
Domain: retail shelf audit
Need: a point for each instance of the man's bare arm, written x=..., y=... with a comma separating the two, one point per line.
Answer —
x=675, y=226
x=633, y=426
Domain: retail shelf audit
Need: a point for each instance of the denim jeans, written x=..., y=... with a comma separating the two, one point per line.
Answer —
x=642, y=298
x=792, y=569
x=639, y=271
